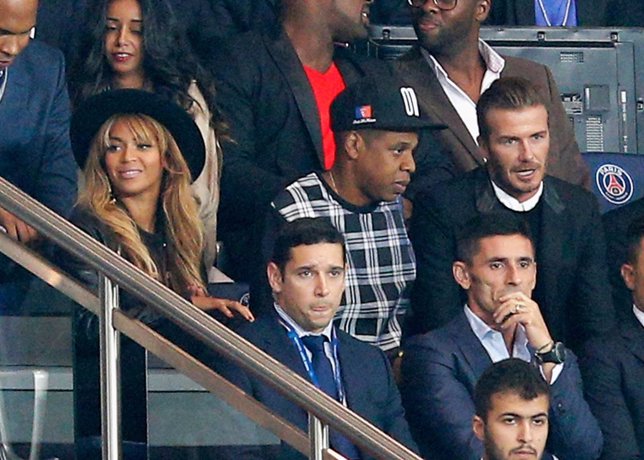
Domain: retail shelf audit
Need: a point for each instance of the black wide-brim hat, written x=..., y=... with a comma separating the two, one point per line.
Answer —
x=96, y=110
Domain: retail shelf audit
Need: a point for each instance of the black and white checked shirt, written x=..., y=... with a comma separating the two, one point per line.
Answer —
x=381, y=262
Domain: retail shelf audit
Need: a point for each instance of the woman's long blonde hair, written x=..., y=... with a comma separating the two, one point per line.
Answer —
x=183, y=228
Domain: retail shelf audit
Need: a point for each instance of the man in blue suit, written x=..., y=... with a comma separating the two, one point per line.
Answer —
x=613, y=365
x=35, y=152
x=306, y=274
x=496, y=266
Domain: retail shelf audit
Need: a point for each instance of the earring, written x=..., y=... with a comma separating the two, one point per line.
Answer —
x=111, y=194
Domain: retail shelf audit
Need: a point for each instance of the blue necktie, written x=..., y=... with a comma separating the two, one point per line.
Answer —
x=326, y=380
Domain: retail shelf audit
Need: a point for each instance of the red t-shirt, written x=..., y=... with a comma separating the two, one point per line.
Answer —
x=326, y=86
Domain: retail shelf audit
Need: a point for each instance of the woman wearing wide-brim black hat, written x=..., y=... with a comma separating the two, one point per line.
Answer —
x=139, y=153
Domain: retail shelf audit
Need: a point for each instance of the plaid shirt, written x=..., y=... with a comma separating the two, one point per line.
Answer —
x=381, y=262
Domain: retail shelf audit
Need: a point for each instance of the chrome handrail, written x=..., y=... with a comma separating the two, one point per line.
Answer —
x=201, y=325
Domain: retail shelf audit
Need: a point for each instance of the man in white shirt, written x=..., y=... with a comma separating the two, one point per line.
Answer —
x=450, y=69
x=512, y=402
x=495, y=265
x=613, y=366
x=563, y=218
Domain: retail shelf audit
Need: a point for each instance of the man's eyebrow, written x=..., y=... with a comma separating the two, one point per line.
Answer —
x=9, y=32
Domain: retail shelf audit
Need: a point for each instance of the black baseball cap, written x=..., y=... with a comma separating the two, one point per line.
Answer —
x=96, y=110
x=382, y=103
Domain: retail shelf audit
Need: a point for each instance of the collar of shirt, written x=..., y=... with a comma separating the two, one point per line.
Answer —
x=512, y=203
x=494, y=344
x=327, y=332
x=493, y=341
x=639, y=314
x=463, y=104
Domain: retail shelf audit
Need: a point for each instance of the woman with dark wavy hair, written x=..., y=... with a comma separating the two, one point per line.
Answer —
x=138, y=44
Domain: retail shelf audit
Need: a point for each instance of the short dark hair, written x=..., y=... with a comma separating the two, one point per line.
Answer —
x=511, y=375
x=634, y=235
x=507, y=93
x=469, y=236
x=305, y=231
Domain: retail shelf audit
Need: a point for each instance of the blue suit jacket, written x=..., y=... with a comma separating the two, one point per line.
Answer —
x=439, y=372
x=35, y=151
x=368, y=383
x=613, y=370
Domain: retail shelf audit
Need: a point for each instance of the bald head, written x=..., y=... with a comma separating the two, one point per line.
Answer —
x=17, y=18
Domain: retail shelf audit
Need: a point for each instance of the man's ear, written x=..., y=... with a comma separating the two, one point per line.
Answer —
x=461, y=274
x=628, y=275
x=478, y=426
x=353, y=144
x=274, y=275
x=483, y=10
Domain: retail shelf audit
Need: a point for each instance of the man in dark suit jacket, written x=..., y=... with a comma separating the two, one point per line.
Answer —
x=564, y=218
x=616, y=223
x=613, y=366
x=496, y=266
x=278, y=130
x=306, y=274
x=589, y=13
x=451, y=67
x=35, y=151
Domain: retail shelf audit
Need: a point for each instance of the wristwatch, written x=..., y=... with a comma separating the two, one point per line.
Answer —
x=556, y=354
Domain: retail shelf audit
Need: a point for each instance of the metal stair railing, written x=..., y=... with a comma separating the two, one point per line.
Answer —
x=324, y=412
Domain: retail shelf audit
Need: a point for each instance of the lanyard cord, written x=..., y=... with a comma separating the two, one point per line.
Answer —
x=545, y=14
x=5, y=77
x=301, y=348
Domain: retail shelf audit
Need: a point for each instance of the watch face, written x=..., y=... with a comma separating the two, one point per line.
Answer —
x=559, y=352
x=556, y=355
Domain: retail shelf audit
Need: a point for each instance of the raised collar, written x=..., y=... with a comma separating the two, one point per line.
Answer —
x=291, y=323
x=512, y=203
x=493, y=60
x=486, y=200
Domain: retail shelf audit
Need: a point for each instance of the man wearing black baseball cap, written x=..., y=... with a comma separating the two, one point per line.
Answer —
x=376, y=124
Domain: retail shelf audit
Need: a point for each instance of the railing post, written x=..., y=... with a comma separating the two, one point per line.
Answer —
x=318, y=436
x=110, y=365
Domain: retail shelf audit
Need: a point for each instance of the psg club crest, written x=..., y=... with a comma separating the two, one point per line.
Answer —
x=614, y=183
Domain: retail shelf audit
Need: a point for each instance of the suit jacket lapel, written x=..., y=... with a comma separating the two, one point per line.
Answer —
x=277, y=344
x=634, y=338
x=552, y=244
x=287, y=61
x=353, y=380
x=473, y=351
x=417, y=73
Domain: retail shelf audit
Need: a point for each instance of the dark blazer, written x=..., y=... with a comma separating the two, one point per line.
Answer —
x=616, y=224
x=439, y=372
x=613, y=370
x=564, y=161
x=571, y=273
x=521, y=13
x=367, y=378
x=273, y=117
x=35, y=151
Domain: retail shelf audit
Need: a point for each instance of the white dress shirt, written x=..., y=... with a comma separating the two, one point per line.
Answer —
x=494, y=344
x=463, y=104
x=512, y=203
x=639, y=314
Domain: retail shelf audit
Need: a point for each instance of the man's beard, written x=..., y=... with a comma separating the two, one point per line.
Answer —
x=492, y=451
